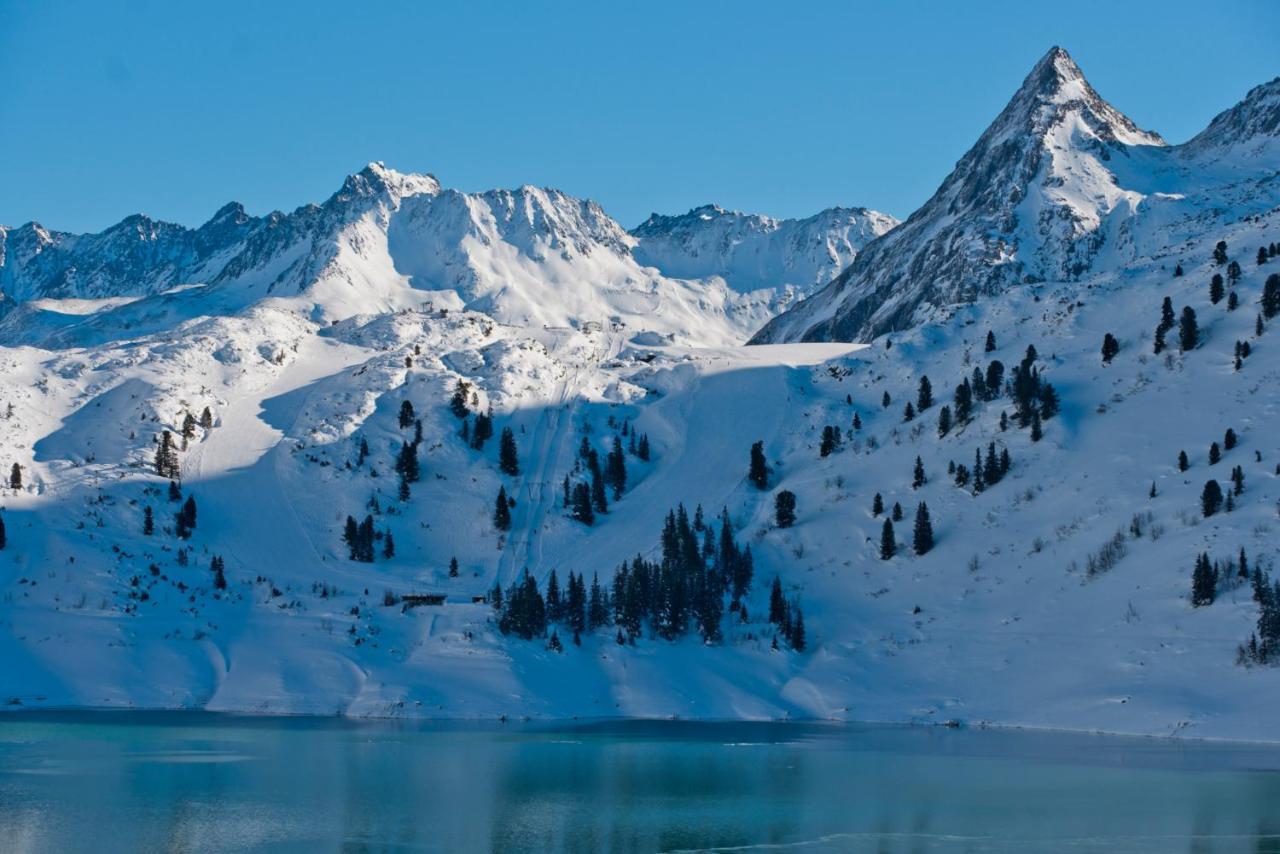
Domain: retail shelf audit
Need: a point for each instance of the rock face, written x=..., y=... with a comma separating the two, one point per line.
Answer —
x=1028, y=202
x=752, y=252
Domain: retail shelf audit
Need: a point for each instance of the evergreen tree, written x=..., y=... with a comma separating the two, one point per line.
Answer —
x=508, y=459
x=777, y=603
x=885, y=401
x=922, y=535
x=502, y=511
x=189, y=512
x=1188, y=330
x=362, y=453
x=798, y=640
x=1220, y=253
x=896, y=513
x=15, y=476
x=148, y=521
x=453, y=567
x=406, y=415
x=1262, y=255
x=979, y=384
x=1215, y=454
x=1204, y=582
x=599, y=501
x=166, y=463
x=1271, y=296
x=888, y=544
x=582, y=510
x=616, y=469
x=642, y=450
x=758, y=471
x=908, y=412
x=784, y=508
x=554, y=603
x=1229, y=439
x=576, y=604
x=857, y=422
x=364, y=541
x=188, y=426
x=351, y=536
x=917, y=475
x=828, y=443
x=944, y=421
x=483, y=431
x=991, y=341
x=1233, y=301
x=175, y=491
x=1177, y=271
x=1049, y=404
x=1183, y=462
x=962, y=400
x=388, y=545
x=1216, y=289
x=206, y=419
x=877, y=505
x=1110, y=347
x=1037, y=433
x=597, y=606
x=924, y=398
x=4, y=539
x=219, y=577
x=1211, y=498
x=458, y=402
x=1233, y=272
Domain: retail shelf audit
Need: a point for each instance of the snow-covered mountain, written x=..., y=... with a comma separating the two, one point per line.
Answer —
x=1060, y=185
x=753, y=252
x=346, y=355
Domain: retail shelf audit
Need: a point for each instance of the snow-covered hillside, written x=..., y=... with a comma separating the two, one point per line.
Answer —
x=1059, y=595
x=753, y=252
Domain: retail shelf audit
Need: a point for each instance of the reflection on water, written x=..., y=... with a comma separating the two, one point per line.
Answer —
x=104, y=782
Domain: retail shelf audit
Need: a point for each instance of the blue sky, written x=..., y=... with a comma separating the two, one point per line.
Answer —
x=175, y=108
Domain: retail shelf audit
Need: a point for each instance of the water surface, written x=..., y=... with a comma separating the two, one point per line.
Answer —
x=107, y=782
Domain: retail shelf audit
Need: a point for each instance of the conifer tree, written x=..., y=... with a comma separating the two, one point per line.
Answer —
x=798, y=639
x=1037, y=432
x=917, y=475
x=597, y=606
x=885, y=401
x=483, y=431
x=189, y=512
x=1211, y=498
x=991, y=341
x=502, y=511
x=888, y=545
x=362, y=452
x=582, y=510
x=963, y=402
x=908, y=412
x=406, y=414
x=15, y=477
x=1204, y=582
x=1233, y=301
x=206, y=419
x=148, y=521
x=1216, y=289
x=857, y=422
x=1229, y=439
x=1110, y=347
x=166, y=463
x=458, y=402
x=4, y=539
x=896, y=513
x=616, y=469
x=1177, y=271
x=188, y=425
x=1049, y=404
x=758, y=471
x=1215, y=454
x=784, y=508
x=1271, y=296
x=828, y=443
x=922, y=534
x=1183, y=462
x=219, y=577
x=1233, y=272
x=924, y=398
x=1220, y=253
x=944, y=421
x=1188, y=330
x=599, y=501
x=453, y=567
x=508, y=459
x=642, y=450
x=554, y=603
x=364, y=541
x=351, y=536
x=388, y=545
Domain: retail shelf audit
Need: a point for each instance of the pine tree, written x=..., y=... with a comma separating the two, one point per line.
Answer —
x=364, y=541
x=798, y=640
x=1233, y=301
x=908, y=412
x=351, y=536
x=1220, y=252
x=885, y=401
x=784, y=508
x=1204, y=582
x=777, y=603
x=362, y=453
x=758, y=471
x=555, y=604
x=924, y=398
x=453, y=567
x=1049, y=404
x=219, y=577
x=206, y=419
x=1229, y=439
x=888, y=544
x=1177, y=270
x=1233, y=272
x=1211, y=498
x=877, y=505
x=944, y=421
x=188, y=426
x=406, y=415
x=189, y=512
x=166, y=463
x=1215, y=454
x=922, y=535
x=1271, y=296
x=828, y=443
x=582, y=510
x=1183, y=462
x=502, y=511
x=148, y=521
x=917, y=475
x=458, y=402
x=896, y=513
x=508, y=459
x=597, y=606
x=1216, y=289
x=1110, y=347
x=388, y=545
x=1188, y=330
x=1037, y=433
x=616, y=469
x=15, y=477
x=991, y=341
x=642, y=450
x=857, y=422
x=483, y=431
x=598, y=499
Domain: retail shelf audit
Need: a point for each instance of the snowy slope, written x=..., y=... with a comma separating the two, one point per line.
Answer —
x=753, y=252
x=321, y=323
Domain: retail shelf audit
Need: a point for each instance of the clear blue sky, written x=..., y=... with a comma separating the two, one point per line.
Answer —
x=173, y=108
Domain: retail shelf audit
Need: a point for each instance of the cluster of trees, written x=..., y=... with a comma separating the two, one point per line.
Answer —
x=921, y=534
x=407, y=467
x=683, y=591
x=166, y=461
x=184, y=519
x=1188, y=327
x=361, y=540
x=986, y=473
x=460, y=404
x=217, y=567
x=1266, y=253
x=787, y=617
x=1271, y=296
x=588, y=497
x=1263, y=646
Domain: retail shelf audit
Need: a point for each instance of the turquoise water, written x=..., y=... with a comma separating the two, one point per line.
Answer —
x=106, y=782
